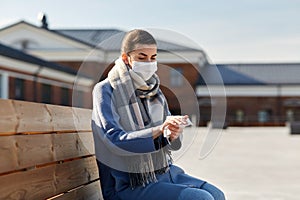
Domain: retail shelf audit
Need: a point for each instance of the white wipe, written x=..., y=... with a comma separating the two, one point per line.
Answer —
x=167, y=132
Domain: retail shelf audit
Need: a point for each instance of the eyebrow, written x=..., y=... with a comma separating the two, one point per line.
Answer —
x=143, y=54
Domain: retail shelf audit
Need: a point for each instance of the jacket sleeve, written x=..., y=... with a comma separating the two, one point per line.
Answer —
x=105, y=120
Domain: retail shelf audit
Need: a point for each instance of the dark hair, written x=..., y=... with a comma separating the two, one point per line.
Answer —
x=134, y=37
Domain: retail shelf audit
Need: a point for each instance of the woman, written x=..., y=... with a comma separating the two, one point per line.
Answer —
x=130, y=117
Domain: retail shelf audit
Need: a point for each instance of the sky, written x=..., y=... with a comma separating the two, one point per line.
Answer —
x=229, y=31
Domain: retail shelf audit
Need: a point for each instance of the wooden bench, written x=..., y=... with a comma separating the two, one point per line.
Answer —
x=46, y=152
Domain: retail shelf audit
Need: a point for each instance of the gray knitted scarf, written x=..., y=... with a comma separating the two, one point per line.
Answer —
x=140, y=105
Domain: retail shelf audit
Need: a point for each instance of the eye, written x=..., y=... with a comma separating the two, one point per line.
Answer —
x=142, y=58
x=153, y=58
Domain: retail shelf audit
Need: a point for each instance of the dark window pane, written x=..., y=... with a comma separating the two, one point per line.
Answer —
x=78, y=98
x=264, y=115
x=65, y=96
x=46, y=93
x=176, y=77
x=19, y=89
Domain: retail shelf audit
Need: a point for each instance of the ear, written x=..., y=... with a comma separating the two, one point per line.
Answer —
x=125, y=58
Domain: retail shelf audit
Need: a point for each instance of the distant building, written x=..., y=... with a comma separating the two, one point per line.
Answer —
x=257, y=94
x=26, y=77
x=92, y=52
x=61, y=67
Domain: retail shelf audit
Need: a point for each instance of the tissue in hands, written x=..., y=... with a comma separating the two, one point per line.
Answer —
x=183, y=124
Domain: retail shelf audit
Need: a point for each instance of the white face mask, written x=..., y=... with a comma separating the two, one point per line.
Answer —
x=144, y=69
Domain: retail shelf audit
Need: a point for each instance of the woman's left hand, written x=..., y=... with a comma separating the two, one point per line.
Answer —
x=177, y=128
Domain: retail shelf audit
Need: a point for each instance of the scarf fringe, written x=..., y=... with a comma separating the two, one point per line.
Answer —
x=157, y=163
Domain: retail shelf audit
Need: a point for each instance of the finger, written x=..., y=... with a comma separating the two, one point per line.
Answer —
x=174, y=127
x=172, y=123
x=175, y=135
x=173, y=130
x=173, y=138
x=177, y=120
x=170, y=126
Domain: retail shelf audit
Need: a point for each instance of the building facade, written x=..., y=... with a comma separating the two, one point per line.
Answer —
x=28, y=78
x=61, y=66
x=264, y=94
x=92, y=52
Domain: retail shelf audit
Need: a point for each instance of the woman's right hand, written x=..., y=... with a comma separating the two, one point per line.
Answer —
x=173, y=122
x=175, y=125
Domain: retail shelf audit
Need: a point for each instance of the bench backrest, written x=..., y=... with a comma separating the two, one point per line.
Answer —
x=46, y=152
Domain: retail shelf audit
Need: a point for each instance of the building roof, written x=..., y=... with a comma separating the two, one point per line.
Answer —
x=108, y=39
x=251, y=74
x=269, y=73
x=111, y=39
x=22, y=56
x=93, y=37
x=215, y=75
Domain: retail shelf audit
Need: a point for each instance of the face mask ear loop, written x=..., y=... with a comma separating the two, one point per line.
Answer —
x=127, y=65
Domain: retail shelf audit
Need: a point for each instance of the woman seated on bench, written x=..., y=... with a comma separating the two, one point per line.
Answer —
x=130, y=115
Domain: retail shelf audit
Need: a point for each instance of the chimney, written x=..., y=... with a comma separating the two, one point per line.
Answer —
x=43, y=19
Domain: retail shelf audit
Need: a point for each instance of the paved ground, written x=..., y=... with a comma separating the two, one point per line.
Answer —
x=246, y=163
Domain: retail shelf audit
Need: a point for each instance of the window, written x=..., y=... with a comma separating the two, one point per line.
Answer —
x=263, y=116
x=239, y=115
x=64, y=96
x=46, y=93
x=290, y=115
x=78, y=100
x=176, y=77
x=19, y=89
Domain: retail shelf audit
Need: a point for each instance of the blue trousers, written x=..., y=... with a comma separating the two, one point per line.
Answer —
x=174, y=185
x=206, y=192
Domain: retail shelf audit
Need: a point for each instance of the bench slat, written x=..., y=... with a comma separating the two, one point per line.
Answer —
x=22, y=151
x=89, y=192
x=27, y=117
x=8, y=116
x=8, y=154
x=46, y=151
x=48, y=181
